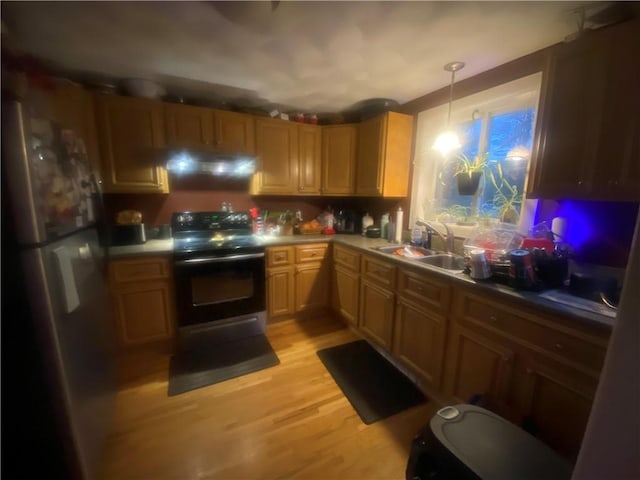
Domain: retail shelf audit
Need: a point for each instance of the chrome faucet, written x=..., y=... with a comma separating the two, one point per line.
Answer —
x=448, y=238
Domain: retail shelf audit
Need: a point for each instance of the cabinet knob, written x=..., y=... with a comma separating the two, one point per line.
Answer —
x=579, y=182
x=558, y=346
x=280, y=257
x=506, y=359
x=493, y=319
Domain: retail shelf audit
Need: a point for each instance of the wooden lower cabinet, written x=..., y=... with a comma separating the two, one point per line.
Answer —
x=476, y=365
x=311, y=289
x=376, y=314
x=553, y=399
x=143, y=300
x=418, y=340
x=297, y=279
x=346, y=285
x=281, y=288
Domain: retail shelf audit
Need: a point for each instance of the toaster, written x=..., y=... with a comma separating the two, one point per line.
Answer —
x=131, y=234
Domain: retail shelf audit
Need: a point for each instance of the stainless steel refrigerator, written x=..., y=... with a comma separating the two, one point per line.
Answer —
x=58, y=371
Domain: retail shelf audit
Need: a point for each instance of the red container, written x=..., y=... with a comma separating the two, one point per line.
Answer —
x=529, y=243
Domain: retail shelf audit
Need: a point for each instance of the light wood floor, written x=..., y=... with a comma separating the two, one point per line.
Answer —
x=288, y=421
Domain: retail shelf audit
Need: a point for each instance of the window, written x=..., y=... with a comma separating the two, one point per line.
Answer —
x=496, y=125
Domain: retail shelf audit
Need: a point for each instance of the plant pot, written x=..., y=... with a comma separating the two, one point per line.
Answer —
x=468, y=185
x=509, y=215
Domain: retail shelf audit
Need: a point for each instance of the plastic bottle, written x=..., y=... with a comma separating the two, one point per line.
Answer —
x=399, y=214
x=384, y=224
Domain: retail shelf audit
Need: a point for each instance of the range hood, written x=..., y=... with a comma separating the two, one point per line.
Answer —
x=197, y=161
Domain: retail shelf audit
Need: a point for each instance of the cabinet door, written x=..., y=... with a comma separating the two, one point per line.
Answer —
x=310, y=159
x=338, y=159
x=569, y=119
x=312, y=286
x=617, y=174
x=476, y=365
x=144, y=312
x=418, y=341
x=280, y=291
x=376, y=314
x=370, y=161
x=554, y=400
x=346, y=287
x=384, y=155
x=277, y=147
x=234, y=132
x=131, y=130
x=188, y=126
x=72, y=108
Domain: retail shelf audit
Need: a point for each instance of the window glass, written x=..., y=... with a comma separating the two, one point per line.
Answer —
x=496, y=125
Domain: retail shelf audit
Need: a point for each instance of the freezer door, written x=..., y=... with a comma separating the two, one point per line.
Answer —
x=68, y=293
x=51, y=189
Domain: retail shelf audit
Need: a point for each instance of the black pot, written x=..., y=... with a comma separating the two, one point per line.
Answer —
x=468, y=185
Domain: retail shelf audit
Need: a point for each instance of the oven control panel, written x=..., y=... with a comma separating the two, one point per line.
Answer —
x=205, y=221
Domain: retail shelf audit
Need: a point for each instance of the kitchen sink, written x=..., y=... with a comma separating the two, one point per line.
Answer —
x=445, y=261
x=407, y=251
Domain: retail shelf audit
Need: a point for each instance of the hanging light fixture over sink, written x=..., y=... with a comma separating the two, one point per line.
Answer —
x=448, y=140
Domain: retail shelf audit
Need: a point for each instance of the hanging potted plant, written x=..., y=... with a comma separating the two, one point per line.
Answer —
x=468, y=172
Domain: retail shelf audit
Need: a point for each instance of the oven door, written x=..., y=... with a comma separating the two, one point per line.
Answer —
x=210, y=288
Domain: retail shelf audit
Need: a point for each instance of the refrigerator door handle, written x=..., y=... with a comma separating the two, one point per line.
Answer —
x=65, y=272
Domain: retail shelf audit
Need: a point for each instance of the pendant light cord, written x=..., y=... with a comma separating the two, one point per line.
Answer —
x=453, y=74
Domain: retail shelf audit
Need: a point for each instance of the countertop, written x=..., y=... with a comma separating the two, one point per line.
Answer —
x=368, y=245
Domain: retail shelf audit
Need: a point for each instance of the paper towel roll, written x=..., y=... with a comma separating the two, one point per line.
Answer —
x=559, y=228
x=399, y=225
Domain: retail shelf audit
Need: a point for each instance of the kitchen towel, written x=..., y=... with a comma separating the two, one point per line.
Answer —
x=374, y=387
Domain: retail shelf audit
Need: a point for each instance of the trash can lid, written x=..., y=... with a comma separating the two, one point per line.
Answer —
x=493, y=448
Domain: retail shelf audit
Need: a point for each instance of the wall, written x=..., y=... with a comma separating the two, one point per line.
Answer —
x=599, y=232
x=205, y=193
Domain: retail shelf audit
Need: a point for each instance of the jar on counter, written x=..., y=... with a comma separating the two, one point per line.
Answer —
x=367, y=221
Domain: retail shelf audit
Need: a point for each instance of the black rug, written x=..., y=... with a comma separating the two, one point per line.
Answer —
x=375, y=388
x=205, y=364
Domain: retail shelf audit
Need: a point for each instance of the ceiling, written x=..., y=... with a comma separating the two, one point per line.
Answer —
x=308, y=56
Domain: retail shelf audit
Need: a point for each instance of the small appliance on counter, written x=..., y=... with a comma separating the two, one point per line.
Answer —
x=128, y=230
x=373, y=231
x=347, y=221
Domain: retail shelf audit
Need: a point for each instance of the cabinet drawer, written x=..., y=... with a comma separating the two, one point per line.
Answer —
x=424, y=291
x=148, y=268
x=347, y=258
x=311, y=253
x=525, y=327
x=378, y=272
x=279, y=256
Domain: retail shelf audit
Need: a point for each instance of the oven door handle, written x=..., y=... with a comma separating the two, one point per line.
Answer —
x=230, y=258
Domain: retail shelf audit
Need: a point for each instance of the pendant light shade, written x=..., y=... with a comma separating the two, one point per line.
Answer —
x=448, y=140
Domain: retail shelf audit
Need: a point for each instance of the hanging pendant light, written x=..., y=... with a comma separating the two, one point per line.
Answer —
x=448, y=140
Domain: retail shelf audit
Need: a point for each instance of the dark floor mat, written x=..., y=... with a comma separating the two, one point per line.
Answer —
x=205, y=364
x=375, y=388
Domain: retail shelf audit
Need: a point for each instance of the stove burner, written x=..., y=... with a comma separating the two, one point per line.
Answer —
x=216, y=232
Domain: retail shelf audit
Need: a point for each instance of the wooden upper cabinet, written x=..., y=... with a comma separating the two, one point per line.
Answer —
x=338, y=158
x=131, y=130
x=617, y=173
x=586, y=143
x=277, y=149
x=234, y=132
x=384, y=155
x=72, y=108
x=310, y=158
x=188, y=125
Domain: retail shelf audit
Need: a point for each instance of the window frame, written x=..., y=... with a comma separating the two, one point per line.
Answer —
x=511, y=96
